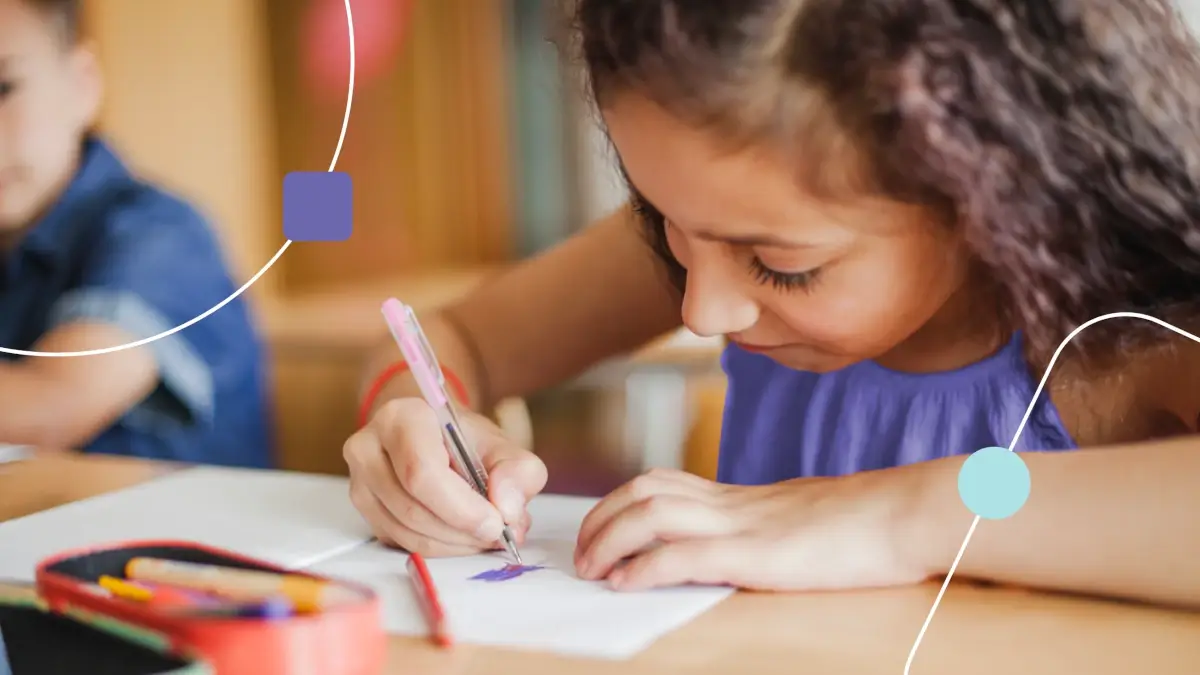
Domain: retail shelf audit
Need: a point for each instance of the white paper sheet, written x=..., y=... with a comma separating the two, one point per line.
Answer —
x=290, y=519
x=14, y=453
x=549, y=609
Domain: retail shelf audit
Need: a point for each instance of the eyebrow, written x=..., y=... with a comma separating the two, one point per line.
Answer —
x=753, y=240
x=764, y=240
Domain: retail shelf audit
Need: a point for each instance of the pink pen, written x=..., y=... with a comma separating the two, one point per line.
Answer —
x=425, y=369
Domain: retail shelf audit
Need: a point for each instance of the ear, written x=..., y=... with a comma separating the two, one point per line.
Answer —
x=89, y=84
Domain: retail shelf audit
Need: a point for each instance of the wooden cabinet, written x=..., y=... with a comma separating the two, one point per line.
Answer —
x=214, y=99
x=188, y=104
x=427, y=144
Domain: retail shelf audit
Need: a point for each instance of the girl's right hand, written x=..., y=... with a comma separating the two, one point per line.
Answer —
x=402, y=482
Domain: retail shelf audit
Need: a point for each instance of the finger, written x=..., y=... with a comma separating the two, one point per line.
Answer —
x=709, y=562
x=414, y=515
x=650, y=484
x=520, y=530
x=662, y=518
x=371, y=474
x=413, y=440
x=515, y=476
x=391, y=532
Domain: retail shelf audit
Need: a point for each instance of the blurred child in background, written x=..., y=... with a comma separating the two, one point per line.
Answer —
x=91, y=257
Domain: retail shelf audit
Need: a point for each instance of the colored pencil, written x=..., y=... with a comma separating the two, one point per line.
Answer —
x=307, y=594
x=431, y=604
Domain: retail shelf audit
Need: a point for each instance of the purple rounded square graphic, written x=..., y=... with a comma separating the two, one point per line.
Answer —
x=317, y=206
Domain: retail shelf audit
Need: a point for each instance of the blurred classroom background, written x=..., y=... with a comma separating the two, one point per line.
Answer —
x=470, y=147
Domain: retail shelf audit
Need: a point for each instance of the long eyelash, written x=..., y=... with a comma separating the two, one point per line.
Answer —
x=780, y=280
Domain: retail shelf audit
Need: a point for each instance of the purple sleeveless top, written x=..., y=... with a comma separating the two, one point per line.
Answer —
x=781, y=423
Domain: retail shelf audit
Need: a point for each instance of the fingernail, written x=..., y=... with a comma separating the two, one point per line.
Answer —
x=512, y=504
x=490, y=530
x=615, y=579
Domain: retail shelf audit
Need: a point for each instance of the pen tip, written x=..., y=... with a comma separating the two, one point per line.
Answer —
x=510, y=543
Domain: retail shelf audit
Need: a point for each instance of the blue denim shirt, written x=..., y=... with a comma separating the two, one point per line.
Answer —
x=116, y=250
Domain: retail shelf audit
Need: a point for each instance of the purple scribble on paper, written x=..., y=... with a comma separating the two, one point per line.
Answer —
x=505, y=573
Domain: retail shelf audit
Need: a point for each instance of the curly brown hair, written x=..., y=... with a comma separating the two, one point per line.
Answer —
x=1062, y=136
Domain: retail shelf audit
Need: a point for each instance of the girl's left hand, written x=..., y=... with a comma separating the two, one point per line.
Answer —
x=806, y=534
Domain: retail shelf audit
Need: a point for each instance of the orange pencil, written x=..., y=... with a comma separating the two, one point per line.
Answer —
x=427, y=596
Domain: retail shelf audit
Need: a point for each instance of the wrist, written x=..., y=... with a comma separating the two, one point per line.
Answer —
x=395, y=381
x=931, y=519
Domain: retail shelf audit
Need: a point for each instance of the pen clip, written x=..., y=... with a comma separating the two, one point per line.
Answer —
x=421, y=363
x=423, y=344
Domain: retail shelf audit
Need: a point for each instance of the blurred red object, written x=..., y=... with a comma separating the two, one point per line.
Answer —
x=379, y=28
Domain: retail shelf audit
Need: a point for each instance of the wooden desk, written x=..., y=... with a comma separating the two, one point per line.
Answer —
x=977, y=630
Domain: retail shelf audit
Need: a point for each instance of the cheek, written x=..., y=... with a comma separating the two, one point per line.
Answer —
x=36, y=144
x=679, y=247
x=24, y=125
x=869, y=304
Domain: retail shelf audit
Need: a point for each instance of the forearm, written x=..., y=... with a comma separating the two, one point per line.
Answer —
x=64, y=403
x=32, y=409
x=598, y=294
x=1117, y=522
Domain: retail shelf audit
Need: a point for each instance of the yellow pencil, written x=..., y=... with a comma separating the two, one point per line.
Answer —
x=124, y=589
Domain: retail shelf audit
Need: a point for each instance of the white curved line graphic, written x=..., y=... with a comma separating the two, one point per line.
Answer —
x=167, y=333
x=1021, y=427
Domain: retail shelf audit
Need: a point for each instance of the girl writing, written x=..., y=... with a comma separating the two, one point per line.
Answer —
x=895, y=211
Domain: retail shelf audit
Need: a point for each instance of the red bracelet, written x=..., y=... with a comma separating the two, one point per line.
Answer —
x=457, y=388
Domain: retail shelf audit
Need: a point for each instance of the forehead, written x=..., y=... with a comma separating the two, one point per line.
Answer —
x=686, y=173
x=24, y=30
x=760, y=192
x=701, y=184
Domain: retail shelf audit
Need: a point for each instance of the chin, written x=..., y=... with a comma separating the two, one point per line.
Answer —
x=10, y=218
x=14, y=219
x=807, y=360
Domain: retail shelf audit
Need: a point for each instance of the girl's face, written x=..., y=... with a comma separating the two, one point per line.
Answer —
x=815, y=286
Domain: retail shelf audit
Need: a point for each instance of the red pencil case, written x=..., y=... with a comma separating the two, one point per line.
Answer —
x=344, y=640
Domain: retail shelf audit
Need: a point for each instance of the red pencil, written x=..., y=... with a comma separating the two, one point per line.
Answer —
x=427, y=595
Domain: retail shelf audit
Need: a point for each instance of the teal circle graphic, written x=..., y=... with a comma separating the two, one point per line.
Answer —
x=994, y=483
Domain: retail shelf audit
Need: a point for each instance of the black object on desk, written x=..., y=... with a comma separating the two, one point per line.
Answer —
x=37, y=642
x=5, y=668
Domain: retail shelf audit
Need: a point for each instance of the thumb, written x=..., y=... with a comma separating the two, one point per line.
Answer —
x=515, y=475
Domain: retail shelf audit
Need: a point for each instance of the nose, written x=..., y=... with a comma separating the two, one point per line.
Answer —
x=714, y=302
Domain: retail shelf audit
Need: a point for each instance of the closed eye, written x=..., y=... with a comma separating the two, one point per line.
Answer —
x=782, y=280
